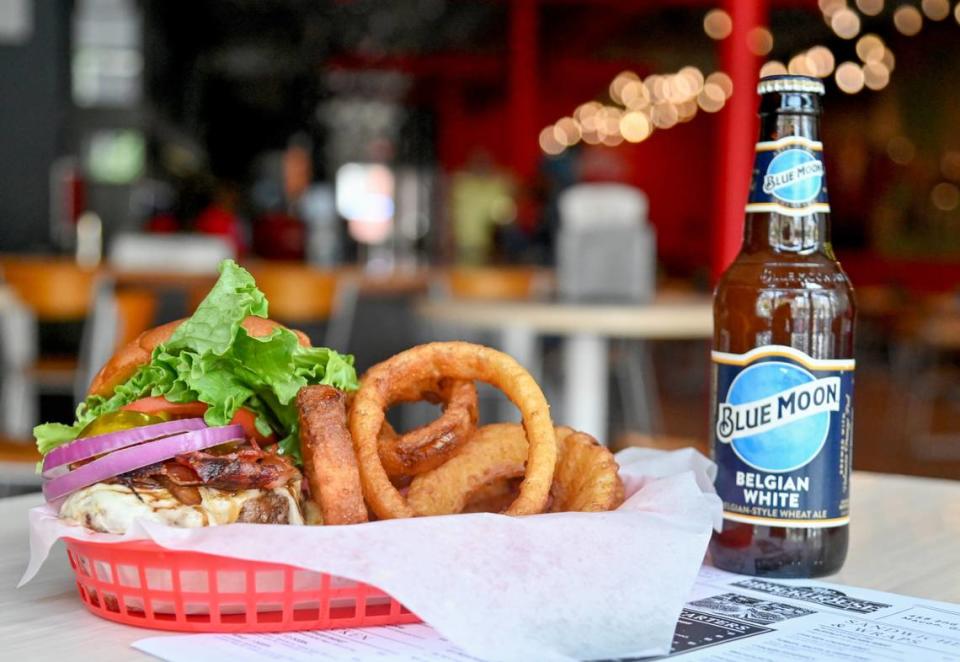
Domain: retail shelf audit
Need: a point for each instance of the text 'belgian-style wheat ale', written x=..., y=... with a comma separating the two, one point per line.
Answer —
x=782, y=408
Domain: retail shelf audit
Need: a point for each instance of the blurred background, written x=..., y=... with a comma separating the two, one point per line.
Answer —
x=563, y=179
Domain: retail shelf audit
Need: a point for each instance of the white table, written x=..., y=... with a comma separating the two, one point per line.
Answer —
x=905, y=538
x=587, y=330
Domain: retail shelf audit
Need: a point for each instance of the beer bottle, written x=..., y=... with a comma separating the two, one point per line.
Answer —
x=782, y=360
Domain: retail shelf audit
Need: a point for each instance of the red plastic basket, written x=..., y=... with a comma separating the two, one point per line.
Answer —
x=143, y=584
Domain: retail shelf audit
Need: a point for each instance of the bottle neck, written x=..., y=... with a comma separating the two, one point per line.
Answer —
x=788, y=211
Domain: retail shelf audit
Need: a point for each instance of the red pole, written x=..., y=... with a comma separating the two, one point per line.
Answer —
x=738, y=131
x=522, y=107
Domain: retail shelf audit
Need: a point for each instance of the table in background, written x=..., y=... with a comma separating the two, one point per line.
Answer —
x=904, y=538
x=587, y=330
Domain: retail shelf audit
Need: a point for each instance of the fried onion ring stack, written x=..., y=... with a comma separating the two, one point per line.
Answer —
x=450, y=465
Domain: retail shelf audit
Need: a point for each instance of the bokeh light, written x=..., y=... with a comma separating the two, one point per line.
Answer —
x=950, y=165
x=717, y=24
x=619, y=82
x=822, y=59
x=875, y=75
x=845, y=23
x=936, y=10
x=664, y=115
x=722, y=80
x=870, y=7
x=870, y=48
x=849, y=77
x=760, y=41
x=831, y=7
x=549, y=143
x=908, y=20
x=711, y=98
x=773, y=68
x=802, y=64
x=901, y=150
x=567, y=131
x=945, y=196
x=635, y=127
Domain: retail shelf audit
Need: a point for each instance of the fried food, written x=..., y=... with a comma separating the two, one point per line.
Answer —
x=494, y=497
x=328, y=455
x=476, y=479
x=385, y=384
x=495, y=452
x=587, y=478
x=428, y=446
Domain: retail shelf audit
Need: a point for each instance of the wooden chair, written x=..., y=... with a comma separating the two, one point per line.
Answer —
x=498, y=283
x=301, y=295
x=46, y=290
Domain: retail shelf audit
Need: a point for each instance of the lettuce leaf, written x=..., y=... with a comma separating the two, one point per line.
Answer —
x=211, y=358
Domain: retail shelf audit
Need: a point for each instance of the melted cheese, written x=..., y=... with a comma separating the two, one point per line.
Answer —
x=112, y=508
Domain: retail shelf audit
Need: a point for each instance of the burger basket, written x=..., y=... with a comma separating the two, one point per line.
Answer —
x=142, y=584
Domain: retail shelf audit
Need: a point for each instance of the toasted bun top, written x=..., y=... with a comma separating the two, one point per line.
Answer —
x=137, y=353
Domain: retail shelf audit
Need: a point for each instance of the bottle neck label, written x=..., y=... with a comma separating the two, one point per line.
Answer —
x=782, y=437
x=789, y=178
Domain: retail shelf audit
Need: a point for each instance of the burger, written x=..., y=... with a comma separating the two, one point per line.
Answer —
x=194, y=423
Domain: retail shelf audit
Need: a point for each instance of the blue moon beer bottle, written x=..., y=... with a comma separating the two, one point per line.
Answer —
x=782, y=377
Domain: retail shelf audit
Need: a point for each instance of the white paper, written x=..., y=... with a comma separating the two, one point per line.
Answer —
x=560, y=586
x=733, y=617
x=728, y=618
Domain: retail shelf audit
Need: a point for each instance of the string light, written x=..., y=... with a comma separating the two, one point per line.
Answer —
x=849, y=78
x=717, y=24
x=801, y=64
x=549, y=143
x=722, y=80
x=875, y=75
x=870, y=7
x=760, y=41
x=635, y=95
x=659, y=101
x=936, y=10
x=773, y=68
x=845, y=23
x=664, y=115
x=889, y=60
x=870, y=48
x=622, y=79
x=831, y=7
x=822, y=59
x=908, y=20
x=635, y=127
x=567, y=131
x=711, y=98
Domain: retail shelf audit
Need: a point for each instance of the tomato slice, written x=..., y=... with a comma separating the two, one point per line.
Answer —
x=159, y=404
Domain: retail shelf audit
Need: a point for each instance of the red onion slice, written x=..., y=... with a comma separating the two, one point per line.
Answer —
x=87, y=447
x=135, y=457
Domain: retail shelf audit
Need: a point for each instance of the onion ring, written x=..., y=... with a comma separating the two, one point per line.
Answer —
x=587, y=477
x=494, y=452
x=383, y=384
x=328, y=458
x=428, y=446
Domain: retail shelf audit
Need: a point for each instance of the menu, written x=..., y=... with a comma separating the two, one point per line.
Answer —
x=728, y=617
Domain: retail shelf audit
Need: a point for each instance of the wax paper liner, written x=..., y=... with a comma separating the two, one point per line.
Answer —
x=562, y=586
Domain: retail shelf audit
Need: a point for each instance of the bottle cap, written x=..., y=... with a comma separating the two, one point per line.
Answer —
x=790, y=83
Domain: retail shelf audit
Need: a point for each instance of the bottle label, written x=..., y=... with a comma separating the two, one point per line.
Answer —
x=783, y=437
x=788, y=178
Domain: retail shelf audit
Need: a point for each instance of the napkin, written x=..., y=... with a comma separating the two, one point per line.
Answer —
x=559, y=586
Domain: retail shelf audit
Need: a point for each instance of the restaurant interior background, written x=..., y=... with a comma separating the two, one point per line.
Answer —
x=377, y=163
